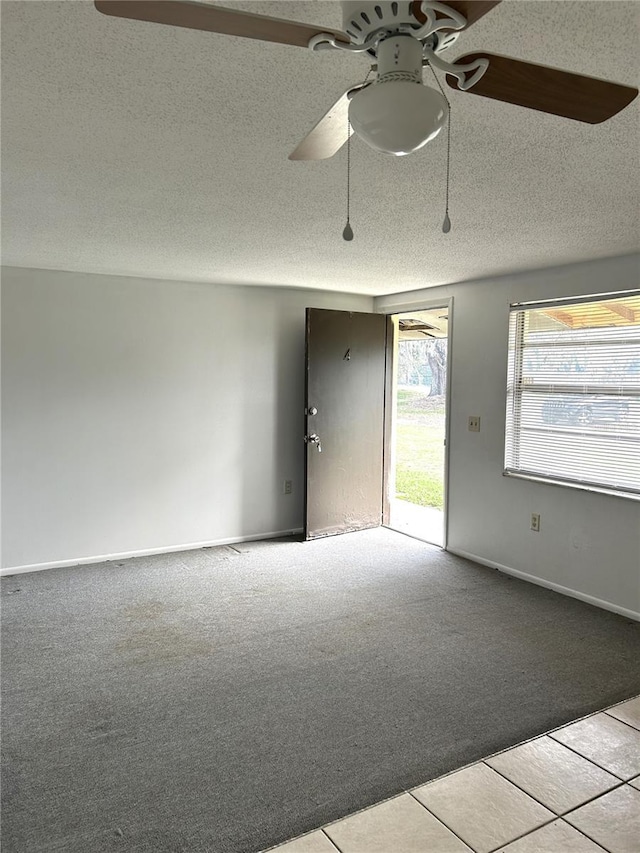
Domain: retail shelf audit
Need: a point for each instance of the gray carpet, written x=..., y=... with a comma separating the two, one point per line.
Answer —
x=225, y=700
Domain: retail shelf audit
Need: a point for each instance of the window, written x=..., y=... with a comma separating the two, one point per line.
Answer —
x=573, y=394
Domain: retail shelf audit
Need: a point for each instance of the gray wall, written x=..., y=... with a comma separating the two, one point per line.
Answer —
x=589, y=544
x=142, y=415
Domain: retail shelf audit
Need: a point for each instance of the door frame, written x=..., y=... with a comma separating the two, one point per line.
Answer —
x=389, y=396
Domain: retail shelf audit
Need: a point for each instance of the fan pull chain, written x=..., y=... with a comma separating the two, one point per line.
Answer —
x=446, y=224
x=347, y=233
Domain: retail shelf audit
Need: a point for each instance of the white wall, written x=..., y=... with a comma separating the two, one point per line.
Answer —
x=589, y=543
x=143, y=415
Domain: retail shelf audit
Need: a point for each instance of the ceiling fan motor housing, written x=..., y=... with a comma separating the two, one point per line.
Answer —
x=363, y=20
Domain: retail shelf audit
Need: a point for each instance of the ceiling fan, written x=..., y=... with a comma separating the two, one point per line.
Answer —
x=396, y=113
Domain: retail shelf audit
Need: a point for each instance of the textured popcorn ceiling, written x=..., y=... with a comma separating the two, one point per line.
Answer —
x=139, y=149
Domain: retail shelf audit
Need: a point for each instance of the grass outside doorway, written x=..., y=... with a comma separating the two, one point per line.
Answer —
x=420, y=432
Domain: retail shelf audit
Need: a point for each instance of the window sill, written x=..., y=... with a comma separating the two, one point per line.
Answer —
x=583, y=487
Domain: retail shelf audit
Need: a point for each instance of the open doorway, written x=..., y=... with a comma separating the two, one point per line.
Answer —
x=418, y=435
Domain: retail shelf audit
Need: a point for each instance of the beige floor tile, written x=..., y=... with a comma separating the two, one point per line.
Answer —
x=628, y=712
x=315, y=842
x=613, y=820
x=482, y=808
x=401, y=824
x=635, y=782
x=553, y=774
x=556, y=837
x=613, y=745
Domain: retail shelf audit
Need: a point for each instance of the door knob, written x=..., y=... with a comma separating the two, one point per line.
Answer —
x=314, y=439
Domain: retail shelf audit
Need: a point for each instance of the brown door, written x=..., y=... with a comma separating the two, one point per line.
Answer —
x=344, y=416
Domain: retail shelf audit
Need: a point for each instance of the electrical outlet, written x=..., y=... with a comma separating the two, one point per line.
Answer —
x=287, y=487
x=474, y=423
x=535, y=522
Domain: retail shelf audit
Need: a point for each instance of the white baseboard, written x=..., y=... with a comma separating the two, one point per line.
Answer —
x=124, y=555
x=556, y=587
x=192, y=546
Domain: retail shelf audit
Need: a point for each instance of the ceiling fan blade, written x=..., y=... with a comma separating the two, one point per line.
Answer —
x=473, y=10
x=215, y=19
x=329, y=134
x=549, y=90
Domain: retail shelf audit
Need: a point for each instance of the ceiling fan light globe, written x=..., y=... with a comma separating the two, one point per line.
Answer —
x=397, y=116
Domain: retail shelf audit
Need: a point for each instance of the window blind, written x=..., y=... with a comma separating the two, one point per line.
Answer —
x=573, y=393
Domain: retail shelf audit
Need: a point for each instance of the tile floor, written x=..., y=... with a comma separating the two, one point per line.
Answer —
x=573, y=790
